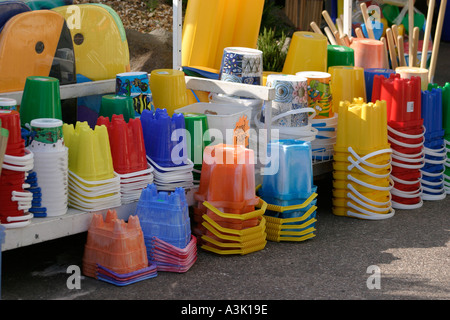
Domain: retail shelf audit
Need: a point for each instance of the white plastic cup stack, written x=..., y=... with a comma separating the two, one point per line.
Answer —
x=131, y=184
x=51, y=162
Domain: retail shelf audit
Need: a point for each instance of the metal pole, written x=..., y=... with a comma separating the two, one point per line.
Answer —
x=177, y=33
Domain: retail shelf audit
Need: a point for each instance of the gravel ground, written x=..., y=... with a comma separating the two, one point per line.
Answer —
x=137, y=15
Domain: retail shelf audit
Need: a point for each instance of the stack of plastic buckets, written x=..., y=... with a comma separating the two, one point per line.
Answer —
x=290, y=108
x=18, y=161
x=362, y=162
x=226, y=217
x=137, y=86
x=51, y=159
x=167, y=229
x=93, y=184
x=405, y=135
x=166, y=149
x=369, y=74
x=198, y=139
x=325, y=120
x=446, y=127
x=434, y=146
x=32, y=186
x=128, y=153
x=115, y=250
x=289, y=191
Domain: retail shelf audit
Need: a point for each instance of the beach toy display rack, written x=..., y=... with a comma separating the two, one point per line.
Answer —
x=78, y=220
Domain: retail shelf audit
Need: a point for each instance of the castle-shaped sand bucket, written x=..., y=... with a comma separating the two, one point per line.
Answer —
x=114, y=245
x=405, y=134
x=128, y=153
x=362, y=162
x=226, y=215
x=93, y=184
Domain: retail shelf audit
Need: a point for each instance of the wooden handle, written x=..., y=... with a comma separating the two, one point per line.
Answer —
x=386, y=57
x=415, y=46
x=391, y=48
x=426, y=37
x=330, y=36
x=346, y=40
x=395, y=34
x=315, y=28
x=401, y=52
x=340, y=27
x=436, y=40
x=329, y=22
x=359, y=33
x=367, y=21
x=338, y=38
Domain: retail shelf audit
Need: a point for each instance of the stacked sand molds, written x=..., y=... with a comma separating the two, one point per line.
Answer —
x=166, y=149
x=51, y=159
x=362, y=162
x=226, y=217
x=167, y=229
x=289, y=192
x=128, y=153
x=434, y=146
x=446, y=127
x=116, y=247
x=93, y=184
x=405, y=135
x=15, y=200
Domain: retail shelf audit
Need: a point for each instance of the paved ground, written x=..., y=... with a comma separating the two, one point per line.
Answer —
x=411, y=251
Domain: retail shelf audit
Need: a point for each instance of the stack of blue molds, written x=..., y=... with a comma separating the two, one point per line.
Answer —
x=165, y=216
x=434, y=146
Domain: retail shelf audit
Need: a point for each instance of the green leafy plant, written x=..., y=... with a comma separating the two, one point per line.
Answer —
x=274, y=51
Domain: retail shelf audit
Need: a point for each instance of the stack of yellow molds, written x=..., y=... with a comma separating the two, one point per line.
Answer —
x=362, y=162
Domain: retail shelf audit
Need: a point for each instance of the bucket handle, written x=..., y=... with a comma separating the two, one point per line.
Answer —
x=405, y=135
x=295, y=111
x=364, y=198
x=374, y=175
x=434, y=175
x=404, y=206
x=406, y=145
x=408, y=155
x=370, y=186
x=16, y=224
x=367, y=215
x=368, y=156
x=407, y=166
x=409, y=159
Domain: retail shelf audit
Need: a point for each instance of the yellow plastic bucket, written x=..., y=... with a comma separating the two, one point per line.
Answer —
x=362, y=126
x=347, y=83
x=168, y=87
x=307, y=51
